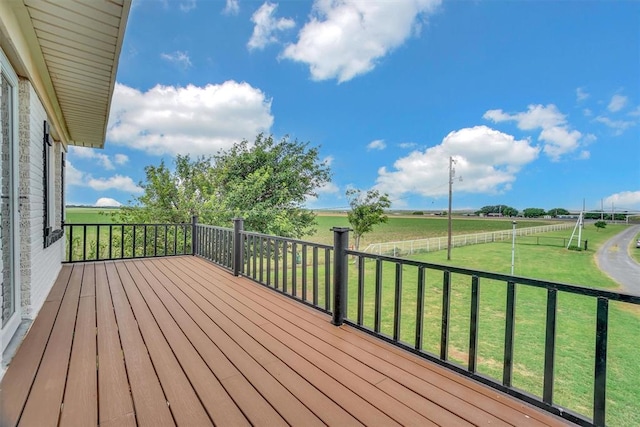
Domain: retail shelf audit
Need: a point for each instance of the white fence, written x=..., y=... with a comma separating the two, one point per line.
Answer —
x=408, y=247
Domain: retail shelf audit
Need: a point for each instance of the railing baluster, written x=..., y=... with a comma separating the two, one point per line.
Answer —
x=509, y=333
x=420, y=309
x=285, y=249
x=446, y=303
x=294, y=269
x=260, y=258
x=175, y=240
x=84, y=243
x=110, y=240
x=97, y=242
x=327, y=279
x=255, y=256
x=122, y=241
x=600, y=371
x=360, y=262
x=144, y=241
x=165, y=239
x=276, y=261
x=473, y=327
x=303, y=268
x=549, y=346
x=268, y=262
x=71, y=243
x=378, y=297
x=133, y=252
x=315, y=275
x=397, y=305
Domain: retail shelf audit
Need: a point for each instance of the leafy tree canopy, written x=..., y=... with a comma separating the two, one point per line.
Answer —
x=600, y=224
x=367, y=210
x=266, y=183
x=533, y=212
x=498, y=209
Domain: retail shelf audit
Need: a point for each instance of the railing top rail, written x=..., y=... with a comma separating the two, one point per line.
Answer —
x=575, y=289
x=214, y=227
x=128, y=224
x=286, y=239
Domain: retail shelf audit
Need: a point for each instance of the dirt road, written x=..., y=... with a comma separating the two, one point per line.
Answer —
x=613, y=258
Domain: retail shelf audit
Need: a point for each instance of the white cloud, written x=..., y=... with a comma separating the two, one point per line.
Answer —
x=559, y=139
x=618, y=126
x=107, y=202
x=487, y=161
x=92, y=153
x=624, y=199
x=328, y=188
x=581, y=94
x=121, y=159
x=328, y=160
x=617, y=103
x=378, y=144
x=192, y=119
x=585, y=155
x=344, y=39
x=179, y=58
x=635, y=112
x=587, y=112
x=232, y=7
x=408, y=145
x=266, y=26
x=75, y=177
x=187, y=5
x=116, y=182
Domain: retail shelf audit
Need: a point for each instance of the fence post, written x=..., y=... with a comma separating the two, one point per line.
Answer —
x=194, y=234
x=238, y=224
x=340, y=245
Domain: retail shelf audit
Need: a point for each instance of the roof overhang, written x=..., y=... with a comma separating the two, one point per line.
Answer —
x=69, y=51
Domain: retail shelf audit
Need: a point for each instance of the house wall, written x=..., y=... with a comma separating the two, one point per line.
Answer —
x=39, y=266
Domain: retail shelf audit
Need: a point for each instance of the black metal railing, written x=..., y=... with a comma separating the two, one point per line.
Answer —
x=387, y=297
x=98, y=242
x=215, y=244
x=385, y=269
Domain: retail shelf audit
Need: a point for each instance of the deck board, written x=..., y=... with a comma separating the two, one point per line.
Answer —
x=177, y=340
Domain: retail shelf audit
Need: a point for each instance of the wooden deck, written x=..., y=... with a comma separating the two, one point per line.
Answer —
x=179, y=341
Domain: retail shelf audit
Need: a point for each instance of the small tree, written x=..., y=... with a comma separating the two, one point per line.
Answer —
x=600, y=224
x=367, y=210
x=266, y=182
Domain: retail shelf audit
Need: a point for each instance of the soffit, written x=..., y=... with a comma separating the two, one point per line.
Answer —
x=76, y=45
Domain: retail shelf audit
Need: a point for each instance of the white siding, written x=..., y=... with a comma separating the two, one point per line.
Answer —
x=39, y=267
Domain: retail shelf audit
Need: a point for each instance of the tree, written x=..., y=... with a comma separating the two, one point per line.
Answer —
x=533, y=212
x=266, y=183
x=600, y=224
x=367, y=210
x=498, y=209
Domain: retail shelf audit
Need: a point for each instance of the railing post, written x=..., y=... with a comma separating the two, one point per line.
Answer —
x=238, y=224
x=340, y=245
x=194, y=235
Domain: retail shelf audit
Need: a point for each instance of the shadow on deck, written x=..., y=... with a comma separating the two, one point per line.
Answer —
x=178, y=340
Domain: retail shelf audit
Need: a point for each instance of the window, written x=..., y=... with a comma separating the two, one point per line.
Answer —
x=49, y=188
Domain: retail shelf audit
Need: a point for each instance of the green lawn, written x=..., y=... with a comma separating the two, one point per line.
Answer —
x=635, y=252
x=575, y=314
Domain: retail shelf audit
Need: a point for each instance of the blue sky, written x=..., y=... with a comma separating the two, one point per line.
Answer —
x=538, y=102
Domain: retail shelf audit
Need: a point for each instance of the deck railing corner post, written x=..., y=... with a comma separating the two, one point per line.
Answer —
x=340, y=245
x=238, y=225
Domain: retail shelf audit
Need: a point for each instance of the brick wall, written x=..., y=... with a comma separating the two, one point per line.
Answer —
x=39, y=267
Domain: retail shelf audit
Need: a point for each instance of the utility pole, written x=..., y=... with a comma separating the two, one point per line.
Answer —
x=451, y=174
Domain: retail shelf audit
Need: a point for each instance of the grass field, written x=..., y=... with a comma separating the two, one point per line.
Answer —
x=575, y=315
